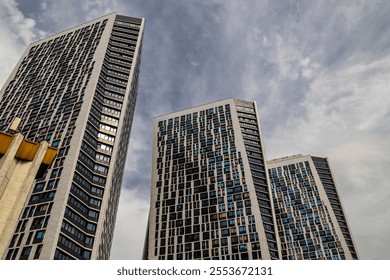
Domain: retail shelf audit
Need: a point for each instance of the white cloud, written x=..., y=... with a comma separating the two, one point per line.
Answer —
x=352, y=97
x=138, y=146
x=130, y=226
x=60, y=15
x=352, y=13
x=16, y=31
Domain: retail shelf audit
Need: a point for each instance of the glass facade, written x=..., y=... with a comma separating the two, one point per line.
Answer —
x=310, y=219
x=77, y=90
x=209, y=179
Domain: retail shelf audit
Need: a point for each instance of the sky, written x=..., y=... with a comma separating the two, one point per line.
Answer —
x=318, y=70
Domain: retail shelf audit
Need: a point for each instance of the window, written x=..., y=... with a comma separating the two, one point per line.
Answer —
x=93, y=214
x=99, y=180
x=38, y=252
x=34, y=198
x=105, y=147
x=56, y=143
x=52, y=184
x=100, y=168
x=103, y=158
x=106, y=137
x=39, y=186
x=42, y=207
x=243, y=248
x=56, y=172
x=97, y=191
x=108, y=128
x=225, y=232
x=39, y=234
x=37, y=222
x=91, y=227
x=95, y=202
x=26, y=252
x=89, y=240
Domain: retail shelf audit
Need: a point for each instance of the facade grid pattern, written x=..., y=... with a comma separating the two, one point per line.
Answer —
x=203, y=203
x=310, y=219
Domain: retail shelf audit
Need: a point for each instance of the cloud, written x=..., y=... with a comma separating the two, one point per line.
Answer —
x=345, y=117
x=55, y=16
x=16, y=31
x=317, y=69
x=43, y=5
x=306, y=66
x=137, y=170
x=130, y=227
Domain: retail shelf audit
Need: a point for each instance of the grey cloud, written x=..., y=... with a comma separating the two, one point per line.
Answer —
x=16, y=31
x=317, y=69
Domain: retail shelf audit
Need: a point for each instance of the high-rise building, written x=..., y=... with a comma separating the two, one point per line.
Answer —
x=76, y=90
x=210, y=196
x=310, y=217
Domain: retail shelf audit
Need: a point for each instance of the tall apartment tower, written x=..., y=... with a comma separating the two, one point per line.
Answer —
x=209, y=195
x=310, y=218
x=77, y=90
